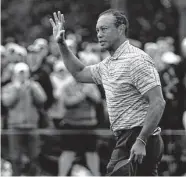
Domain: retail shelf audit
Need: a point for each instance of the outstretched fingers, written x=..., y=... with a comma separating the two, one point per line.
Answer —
x=57, y=21
x=59, y=16
x=62, y=18
x=56, y=18
x=52, y=22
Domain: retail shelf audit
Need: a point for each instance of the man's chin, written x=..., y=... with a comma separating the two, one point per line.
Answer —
x=103, y=47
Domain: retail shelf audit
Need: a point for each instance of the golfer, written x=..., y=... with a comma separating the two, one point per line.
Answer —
x=133, y=93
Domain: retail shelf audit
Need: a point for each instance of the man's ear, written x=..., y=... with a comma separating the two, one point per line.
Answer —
x=122, y=29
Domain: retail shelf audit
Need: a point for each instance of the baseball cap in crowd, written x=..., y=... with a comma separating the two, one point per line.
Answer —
x=4, y=60
x=38, y=44
x=170, y=40
x=163, y=45
x=70, y=42
x=71, y=36
x=33, y=48
x=150, y=46
x=41, y=42
x=15, y=48
x=11, y=47
x=72, y=45
x=2, y=50
x=19, y=67
x=21, y=51
x=89, y=58
x=183, y=47
x=170, y=58
x=59, y=65
x=183, y=43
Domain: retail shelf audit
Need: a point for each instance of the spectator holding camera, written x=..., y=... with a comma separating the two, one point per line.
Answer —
x=13, y=54
x=80, y=101
x=23, y=96
x=40, y=70
x=59, y=77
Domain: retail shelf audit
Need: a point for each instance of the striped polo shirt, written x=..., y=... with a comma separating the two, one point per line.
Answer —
x=126, y=76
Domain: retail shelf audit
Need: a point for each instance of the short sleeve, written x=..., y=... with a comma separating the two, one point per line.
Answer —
x=143, y=74
x=96, y=73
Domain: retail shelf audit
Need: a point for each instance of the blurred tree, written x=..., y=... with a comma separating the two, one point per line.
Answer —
x=181, y=4
x=150, y=19
x=15, y=18
x=27, y=20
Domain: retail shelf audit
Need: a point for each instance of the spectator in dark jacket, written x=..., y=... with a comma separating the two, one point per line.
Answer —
x=22, y=97
x=40, y=70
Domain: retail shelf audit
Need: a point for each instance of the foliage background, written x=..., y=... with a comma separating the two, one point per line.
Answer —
x=26, y=20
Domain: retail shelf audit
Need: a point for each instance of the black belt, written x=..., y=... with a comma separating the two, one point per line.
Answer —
x=117, y=133
x=123, y=131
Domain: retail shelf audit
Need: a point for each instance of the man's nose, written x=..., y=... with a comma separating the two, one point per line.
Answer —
x=99, y=35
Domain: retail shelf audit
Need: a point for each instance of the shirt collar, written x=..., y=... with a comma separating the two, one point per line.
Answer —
x=120, y=49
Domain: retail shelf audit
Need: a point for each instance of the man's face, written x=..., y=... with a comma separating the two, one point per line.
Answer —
x=34, y=60
x=22, y=76
x=107, y=32
x=14, y=56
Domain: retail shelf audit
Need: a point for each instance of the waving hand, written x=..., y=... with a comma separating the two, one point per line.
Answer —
x=58, y=27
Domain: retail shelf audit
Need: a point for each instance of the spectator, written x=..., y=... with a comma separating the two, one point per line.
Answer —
x=58, y=78
x=40, y=69
x=152, y=49
x=22, y=97
x=42, y=46
x=91, y=56
x=80, y=100
x=14, y=54
x=11, y=54
x=169, y=82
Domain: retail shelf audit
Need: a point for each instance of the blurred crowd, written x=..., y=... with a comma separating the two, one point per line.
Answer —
x=39, y=92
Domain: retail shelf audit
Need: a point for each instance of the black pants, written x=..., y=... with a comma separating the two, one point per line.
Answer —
x=121, y=152
x=20, y=141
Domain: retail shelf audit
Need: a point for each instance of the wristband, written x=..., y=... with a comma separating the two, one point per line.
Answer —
x=141, y=140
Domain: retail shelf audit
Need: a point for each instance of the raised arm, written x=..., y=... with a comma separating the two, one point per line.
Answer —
x=79, y=71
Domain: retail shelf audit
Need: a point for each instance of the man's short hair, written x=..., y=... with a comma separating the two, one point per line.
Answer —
x=120, y=18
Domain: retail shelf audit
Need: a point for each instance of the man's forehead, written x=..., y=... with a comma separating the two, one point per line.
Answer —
x=106, y=19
